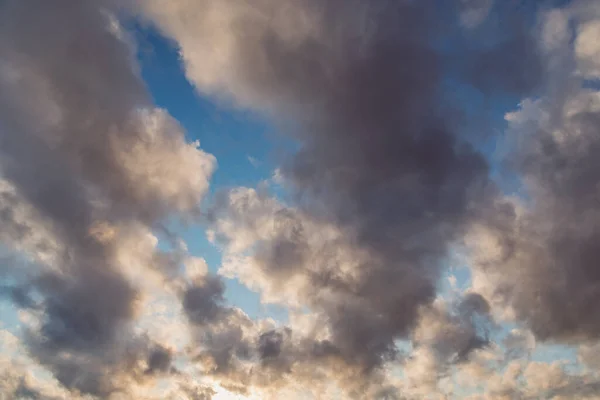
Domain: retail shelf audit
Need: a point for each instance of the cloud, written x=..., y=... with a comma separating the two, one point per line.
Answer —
x=447, y=336
x=542, y=264
x=85, y=158
x=253, y=161
x=373, y=161
x=159, y=360
x=384, y=181
x=474, y=12
x=588, y=50
x=203, y=303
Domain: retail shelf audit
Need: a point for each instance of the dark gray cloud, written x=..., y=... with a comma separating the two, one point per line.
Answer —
x=83, y=154
x=88, y=300
x=380, y=157
x=461, y=328
x=377, y=157
x=474, y=311
x=159, y=360
x=556, y=290
x=19, y=295
x=243, y=353
x=221, y=341
x=269, y=344
x=384, y=181
x=25, y=392
x=543, y=259
x=204, y=303
x=76, y=318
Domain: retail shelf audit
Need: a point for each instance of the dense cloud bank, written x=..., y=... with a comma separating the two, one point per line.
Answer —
x=388, y=184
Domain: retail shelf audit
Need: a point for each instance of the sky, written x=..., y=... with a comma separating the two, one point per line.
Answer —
x=299, y=199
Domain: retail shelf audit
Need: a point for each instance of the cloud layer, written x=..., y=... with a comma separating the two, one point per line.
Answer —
x=388, y=186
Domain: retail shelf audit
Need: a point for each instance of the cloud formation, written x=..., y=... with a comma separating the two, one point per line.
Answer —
x=380, y=160
x=538, y=256
x=84, y=156
x=385, y=183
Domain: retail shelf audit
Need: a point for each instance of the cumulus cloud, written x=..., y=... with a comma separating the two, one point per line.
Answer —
x=447, y=336
x=85, y=158
x=380, y=161
x=385, y=181
x=538, y=258
x=257, y=357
